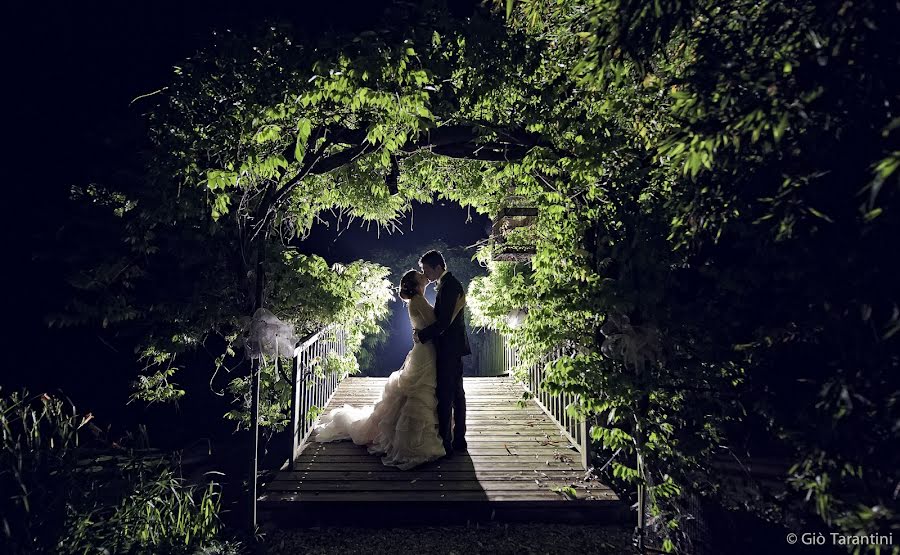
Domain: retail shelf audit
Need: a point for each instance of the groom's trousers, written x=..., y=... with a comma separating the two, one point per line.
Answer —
x=451, y=400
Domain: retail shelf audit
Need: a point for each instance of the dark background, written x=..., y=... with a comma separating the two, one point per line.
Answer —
x=71, y=72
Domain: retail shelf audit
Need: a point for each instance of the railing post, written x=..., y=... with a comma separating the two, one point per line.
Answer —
x=641, y=410
x=254, y=431
x=295, y=410
x=584, y=431
x=642, y=512
x=255, y=368
x=555, y=405
x=302, y=395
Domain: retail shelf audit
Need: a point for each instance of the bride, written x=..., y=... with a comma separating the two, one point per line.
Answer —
x=402, y=427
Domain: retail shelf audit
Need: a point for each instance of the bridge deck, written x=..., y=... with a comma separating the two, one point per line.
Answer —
x=516, y=459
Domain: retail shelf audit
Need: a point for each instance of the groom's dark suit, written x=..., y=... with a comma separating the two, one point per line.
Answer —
x=451, y=344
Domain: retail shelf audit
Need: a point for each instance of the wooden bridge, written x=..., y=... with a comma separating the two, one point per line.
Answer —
x=523, y=462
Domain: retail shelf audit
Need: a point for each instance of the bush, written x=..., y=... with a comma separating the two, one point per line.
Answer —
x=65, y=497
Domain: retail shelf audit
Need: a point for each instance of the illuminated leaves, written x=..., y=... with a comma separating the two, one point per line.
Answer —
x=304, y=128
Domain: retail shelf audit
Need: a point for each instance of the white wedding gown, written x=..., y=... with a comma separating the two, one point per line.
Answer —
x=402, y=426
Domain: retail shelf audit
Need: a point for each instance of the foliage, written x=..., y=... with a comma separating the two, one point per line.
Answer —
x=160, y=515
x=193, y=293
x=241, y=163
x=315, y=295
x=717, y=189
x=155, y=387
x=731, y=201
x=65, y=497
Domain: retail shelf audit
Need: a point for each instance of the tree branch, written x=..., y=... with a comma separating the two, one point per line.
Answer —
x=455, y=141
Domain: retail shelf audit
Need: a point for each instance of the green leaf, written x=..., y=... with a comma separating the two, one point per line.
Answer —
x=304, y=128
x=268, y=133
x=778, y=130
x=819, y=214
x=872, y=214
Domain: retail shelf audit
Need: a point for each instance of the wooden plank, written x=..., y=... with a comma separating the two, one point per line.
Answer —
x=499, y=406
x=527, y=440
x=513, y=390
x=477, y=453
x=512, y=433
x=475, y=450
x=483, y=404
x=506, y=387
x=472, y=410
x=478, y=444
x=415, y=496
x=478, y=410
x=377, y=466
x=379, y=383
x=533, y=459
x=501, y=431
x=502, y=462
x=521, y=440
x=443, y=475
x=472, y=399
x=482, y=413
x=508, y=409
x=513, y=394
x=496, y=437
x=470, y=484
x=423, y=486
x=486, y=381
x=510, y=426
x=507, y=424
x=505, y=429
x=457, y=460
x=508, y=393
x=468, y=380
x=516, y=392
x=482, y=457
x=513, y=440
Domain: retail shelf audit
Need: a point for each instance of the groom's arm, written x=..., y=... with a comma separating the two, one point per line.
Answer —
x=444, y=312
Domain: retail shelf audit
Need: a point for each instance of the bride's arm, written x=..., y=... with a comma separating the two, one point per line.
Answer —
x=420, y=310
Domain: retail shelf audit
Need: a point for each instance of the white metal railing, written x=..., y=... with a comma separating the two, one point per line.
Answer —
x=310, y=388
x=554, y=405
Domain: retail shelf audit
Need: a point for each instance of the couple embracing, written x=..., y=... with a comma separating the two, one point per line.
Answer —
x=421, y=415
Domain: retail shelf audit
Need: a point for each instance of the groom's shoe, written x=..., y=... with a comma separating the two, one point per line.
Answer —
x=460, y=446
x=448, y=449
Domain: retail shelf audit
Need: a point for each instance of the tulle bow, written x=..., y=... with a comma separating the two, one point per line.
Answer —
x=634, y=345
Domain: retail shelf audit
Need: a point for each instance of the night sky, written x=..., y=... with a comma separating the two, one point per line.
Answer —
x=73, y=69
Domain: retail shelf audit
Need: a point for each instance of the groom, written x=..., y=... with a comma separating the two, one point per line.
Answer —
x=451, y=344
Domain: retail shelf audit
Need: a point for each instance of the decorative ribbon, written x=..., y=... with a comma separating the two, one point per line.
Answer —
x=634, y=345
x=268, y=336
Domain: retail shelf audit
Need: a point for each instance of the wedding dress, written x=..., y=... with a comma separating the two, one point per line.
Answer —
x=402, y=426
